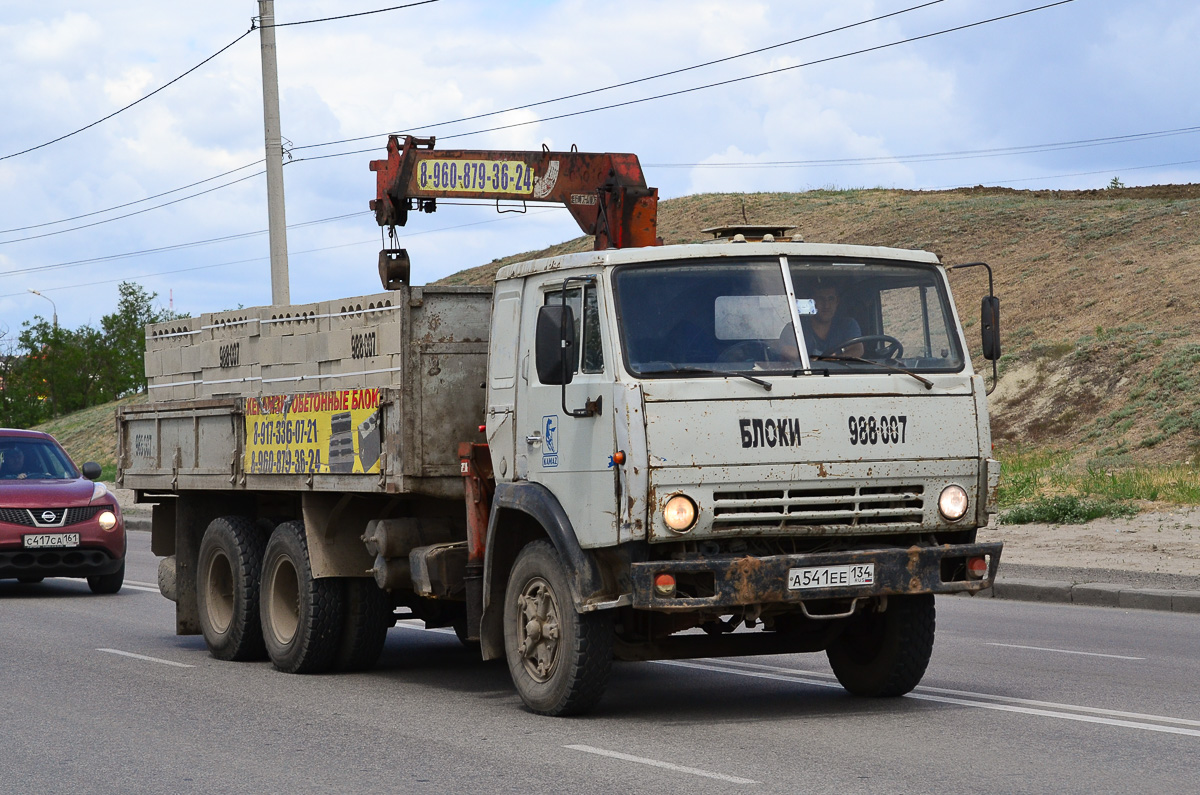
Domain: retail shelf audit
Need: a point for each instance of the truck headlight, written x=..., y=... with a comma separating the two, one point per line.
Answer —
x=953, y=502
x=107, y=520
x=679, y=513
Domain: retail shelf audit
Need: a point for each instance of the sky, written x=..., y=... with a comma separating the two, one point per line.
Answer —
x=168, y=193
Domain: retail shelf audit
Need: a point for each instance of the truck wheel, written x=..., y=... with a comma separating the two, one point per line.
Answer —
x=885, y=653
x=227, y=578
x=365, y=622
x=107, y=583
x=301, y=615
x=559, y=659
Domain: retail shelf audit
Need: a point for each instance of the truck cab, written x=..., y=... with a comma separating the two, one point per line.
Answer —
x=775, y=435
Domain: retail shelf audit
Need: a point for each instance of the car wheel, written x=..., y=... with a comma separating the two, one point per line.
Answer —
x=227, y=582
x=366, y=618
x=107, y=583
x=301, y=615
x=885, y=653
x=559, y=659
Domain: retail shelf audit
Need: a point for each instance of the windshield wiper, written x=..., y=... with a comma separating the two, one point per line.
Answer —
x=704, y=371
x=928, y=384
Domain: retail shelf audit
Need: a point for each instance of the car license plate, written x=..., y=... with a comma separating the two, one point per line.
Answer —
x=51, y=540
x=831, y=576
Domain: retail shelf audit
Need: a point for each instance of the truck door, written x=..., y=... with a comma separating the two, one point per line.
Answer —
x=570, y=455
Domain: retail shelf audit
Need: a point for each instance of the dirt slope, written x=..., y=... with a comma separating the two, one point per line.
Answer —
x=1098, y=295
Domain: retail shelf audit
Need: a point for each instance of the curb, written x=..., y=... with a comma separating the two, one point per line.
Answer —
x=1095, y=594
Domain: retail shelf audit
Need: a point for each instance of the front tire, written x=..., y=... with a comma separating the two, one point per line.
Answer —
x=107, y=583
x=301, y=615
x=883, y=654
x=227, y=583
x=560, y=660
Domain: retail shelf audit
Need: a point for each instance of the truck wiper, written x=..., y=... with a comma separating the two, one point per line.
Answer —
x=928, y=384
x=704, y=371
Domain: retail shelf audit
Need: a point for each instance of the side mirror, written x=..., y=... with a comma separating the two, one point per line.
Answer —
x=554, y=344
x=989, y=323
x=91, y=470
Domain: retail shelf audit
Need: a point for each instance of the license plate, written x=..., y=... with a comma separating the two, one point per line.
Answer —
x=831, y=576
x=50, y=540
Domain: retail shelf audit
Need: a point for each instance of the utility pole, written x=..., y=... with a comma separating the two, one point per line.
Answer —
x=276, y=218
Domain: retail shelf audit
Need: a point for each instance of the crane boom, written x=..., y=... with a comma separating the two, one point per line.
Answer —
x=606, y=193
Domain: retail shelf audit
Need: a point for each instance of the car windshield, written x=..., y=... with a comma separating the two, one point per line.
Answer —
x=733, y=315
x=22, y=459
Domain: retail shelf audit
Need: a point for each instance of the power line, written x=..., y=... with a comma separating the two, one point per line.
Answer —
x=265, y=259
x=720, y=83
x=128, y=215
x=173, y=247
x=130, y=204
x=999, y=182
x=934, y=157
x=635, y=81
x=348, y=16
x=131, y=104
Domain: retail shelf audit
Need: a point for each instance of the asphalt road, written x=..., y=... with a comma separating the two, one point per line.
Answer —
x=1020, y=697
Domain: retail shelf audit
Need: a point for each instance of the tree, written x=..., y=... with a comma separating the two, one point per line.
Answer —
x=124, y=371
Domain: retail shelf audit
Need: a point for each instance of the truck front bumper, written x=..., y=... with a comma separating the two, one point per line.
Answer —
x=748, y=580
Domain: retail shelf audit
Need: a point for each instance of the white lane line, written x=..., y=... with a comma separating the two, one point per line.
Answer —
x=147, y=659
x=641, y=760
x=1065, y=651
x=145, y=588
x=142, y=584
x=926, y=694
x=1114, y=713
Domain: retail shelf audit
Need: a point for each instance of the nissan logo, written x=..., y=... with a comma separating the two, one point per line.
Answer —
x=49, y=516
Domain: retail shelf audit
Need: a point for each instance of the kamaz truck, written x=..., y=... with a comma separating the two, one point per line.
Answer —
x=752, y=445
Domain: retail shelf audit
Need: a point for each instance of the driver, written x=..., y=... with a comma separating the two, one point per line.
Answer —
x=13, y=466
x=825, y=331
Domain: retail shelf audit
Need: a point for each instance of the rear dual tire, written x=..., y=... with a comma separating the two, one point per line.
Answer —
x=301, y=615
x=227, y=587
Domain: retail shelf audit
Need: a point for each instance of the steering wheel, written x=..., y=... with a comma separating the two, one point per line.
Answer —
x=893, y=349
x=748, y=351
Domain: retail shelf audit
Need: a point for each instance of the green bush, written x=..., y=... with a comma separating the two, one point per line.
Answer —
x=1067, y=510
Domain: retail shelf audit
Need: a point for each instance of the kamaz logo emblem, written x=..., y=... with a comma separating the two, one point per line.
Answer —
x=770, y=433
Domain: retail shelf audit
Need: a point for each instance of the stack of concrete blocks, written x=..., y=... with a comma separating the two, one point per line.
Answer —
x=287, y=338
x=362, y=346
x=228, y=353
x=169, y=376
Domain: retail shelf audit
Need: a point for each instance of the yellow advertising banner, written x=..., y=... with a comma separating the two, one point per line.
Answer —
x=333, y=432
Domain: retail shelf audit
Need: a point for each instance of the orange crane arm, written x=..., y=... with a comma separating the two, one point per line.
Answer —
x=605, y=193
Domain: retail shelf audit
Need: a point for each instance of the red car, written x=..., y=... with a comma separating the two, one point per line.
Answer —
x=55, y=521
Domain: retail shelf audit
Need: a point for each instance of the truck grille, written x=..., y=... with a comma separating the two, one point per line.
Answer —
x=872, y=508
x=33, y=518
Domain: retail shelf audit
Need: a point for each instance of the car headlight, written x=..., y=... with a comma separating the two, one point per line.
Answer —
x=107, y=520
x=953, y=502
x=679, y=514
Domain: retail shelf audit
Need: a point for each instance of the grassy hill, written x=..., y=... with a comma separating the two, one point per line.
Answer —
x=1098, y=288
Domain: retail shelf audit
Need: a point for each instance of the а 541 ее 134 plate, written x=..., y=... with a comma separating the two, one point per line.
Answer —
x=831, y=576
x=51, y=540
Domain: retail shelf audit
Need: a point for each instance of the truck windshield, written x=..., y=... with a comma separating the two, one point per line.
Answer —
x=734, y=316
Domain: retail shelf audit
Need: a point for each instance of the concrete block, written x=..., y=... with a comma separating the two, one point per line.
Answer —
x=196, y=356
x=1186, y=602
x=1033, y=590
x=1097, y=593
x=153, y=362
x=1146, y=599
x=172, y=363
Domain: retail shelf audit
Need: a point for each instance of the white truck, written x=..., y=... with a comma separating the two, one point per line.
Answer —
x=640, y=452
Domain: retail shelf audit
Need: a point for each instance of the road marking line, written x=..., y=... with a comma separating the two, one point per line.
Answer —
x=1065, y=651
x=144, y=657
x=1115, y=713
x=924, y=694
x=133, y=587
x=641, y=760
x=143, y=584
x=403, y=624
